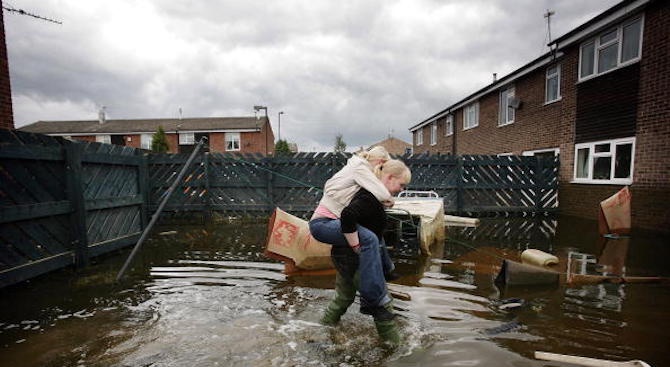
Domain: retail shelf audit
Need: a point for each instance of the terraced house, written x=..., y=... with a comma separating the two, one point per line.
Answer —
x=224, y=134
x=599, y=99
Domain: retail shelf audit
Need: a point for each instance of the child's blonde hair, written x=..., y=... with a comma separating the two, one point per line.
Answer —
x=374, y=153
x=394, y=167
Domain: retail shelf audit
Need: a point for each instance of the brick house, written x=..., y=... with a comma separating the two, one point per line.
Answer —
x=224, y=134
x=394, y=146
x=599, y=99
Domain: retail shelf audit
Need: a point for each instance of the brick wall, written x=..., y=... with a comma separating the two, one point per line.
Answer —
x=258, y=142
x=651, y=178
x=173, y=143
x=6, y=114
x=135, y=141
x=250, y=142
x=652, y=156
x=89, y=138
x=217, y=142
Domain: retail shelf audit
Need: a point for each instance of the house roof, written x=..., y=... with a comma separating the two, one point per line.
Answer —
x=541, y=61
x=393, y=145
x=604, y=19
x=600, y=21
x=136, y=126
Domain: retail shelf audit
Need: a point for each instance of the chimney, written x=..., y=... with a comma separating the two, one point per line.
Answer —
x=495, y=77
x=101, y=115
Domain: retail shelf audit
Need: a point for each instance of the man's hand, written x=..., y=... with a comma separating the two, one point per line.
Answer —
x=388, y=203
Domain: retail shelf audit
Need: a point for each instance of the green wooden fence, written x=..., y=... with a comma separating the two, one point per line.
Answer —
x=252, y=184
x=62, y=202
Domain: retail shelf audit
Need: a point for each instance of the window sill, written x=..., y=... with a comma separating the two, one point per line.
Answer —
x=506, y=124
x=554, y=101
x=619, y=67
x=602, y=182
x=470, y=128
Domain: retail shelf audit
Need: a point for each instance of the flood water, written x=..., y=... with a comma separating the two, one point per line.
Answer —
x=204, y=295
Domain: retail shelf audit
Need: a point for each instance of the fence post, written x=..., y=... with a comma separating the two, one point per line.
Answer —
x=144, y=187
x=75, y=194
x=539, y=184
x=459, y=184
x=207, y=198
x=268, y=162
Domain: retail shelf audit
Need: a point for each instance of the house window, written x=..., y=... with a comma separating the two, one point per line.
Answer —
x=433, y=133
x=471, y=116
x=232, y=141
x=145, y=141
x=419, y=136
x=552, y=84
x=551, y=152
x=615, y=48
x=186, y=138
x=605, y=162
x=105, y=139
x=449, y=125
x=506, y=113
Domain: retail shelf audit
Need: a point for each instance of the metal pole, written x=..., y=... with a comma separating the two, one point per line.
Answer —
x=279, y=125
x=155, y=216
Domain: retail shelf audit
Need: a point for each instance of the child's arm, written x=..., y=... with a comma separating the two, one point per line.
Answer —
x=367, y=180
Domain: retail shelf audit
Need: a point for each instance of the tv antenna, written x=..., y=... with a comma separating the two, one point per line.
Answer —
x=548, y=15
x=23, y=12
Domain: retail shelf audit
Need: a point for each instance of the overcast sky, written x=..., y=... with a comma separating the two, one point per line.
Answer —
x=361, y=68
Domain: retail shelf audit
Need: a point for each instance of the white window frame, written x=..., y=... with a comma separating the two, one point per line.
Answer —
x=612, y=154
x=105, y=139
x=433, y=133
x=449, y=125
x=470, y=122
x=548, y=77
x=619, y=39
x=419, y=136
x=187, y=138
x=556, y=151
x=231, y=139
x=505, y=111
x=145, y=141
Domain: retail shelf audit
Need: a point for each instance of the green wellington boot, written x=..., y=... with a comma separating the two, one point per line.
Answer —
x=388, y=332
x=387, y=329
x=345, y=292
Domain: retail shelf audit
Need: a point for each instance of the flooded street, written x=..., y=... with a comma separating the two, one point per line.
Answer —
x=206, y=296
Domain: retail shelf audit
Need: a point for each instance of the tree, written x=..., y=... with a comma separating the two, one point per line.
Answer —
x=159, y=143
x=340, y=145
x=282, y=147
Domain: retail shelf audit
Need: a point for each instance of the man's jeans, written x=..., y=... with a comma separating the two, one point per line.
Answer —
x=374, y=259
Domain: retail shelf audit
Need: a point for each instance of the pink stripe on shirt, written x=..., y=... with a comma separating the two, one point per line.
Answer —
x=322, y=211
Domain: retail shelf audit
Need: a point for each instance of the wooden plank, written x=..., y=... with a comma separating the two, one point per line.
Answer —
x=31, y=152
x=30, y=270
x=99, y=158
x=48, y=242
x=144, y=188
x=33, y=211
x=115, y=244
x=76, y=196
x=13, y=236
x=26, y=179
x=113, y=202
x=9, y=258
